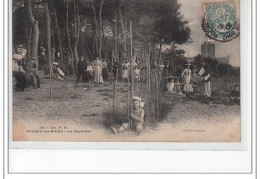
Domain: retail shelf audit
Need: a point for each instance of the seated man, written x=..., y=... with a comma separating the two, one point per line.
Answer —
x=32, y=71
x=137, y=117
x=235, y=95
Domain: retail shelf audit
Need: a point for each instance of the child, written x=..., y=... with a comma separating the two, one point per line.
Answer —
x=178, y=85
x=235, y=95
x=170, y=84
x=90, y=72
x=137, y=117
x=136, y=73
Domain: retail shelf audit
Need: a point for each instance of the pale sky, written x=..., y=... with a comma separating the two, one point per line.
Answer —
x=193, y=13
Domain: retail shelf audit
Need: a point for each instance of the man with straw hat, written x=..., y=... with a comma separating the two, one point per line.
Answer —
x=137, y=117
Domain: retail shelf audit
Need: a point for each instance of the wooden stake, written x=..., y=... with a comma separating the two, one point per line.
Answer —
x=114, y=95
x=131, y=71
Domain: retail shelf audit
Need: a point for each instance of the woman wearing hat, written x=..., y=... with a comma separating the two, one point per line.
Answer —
x=137, y=117
x=186, y=76
x=97, y=71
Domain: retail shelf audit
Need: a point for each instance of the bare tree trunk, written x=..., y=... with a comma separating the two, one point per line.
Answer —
x=76, y=37
x=35, y=32
x=59, y=39
x=116, y=43
x=48, y=28
x=68, y=35
x=123, y=30
x=29, y=43
x=95, y=43
x=101, y=29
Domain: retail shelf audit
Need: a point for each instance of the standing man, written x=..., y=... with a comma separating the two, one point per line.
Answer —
x=115, y=69
x=82, y=66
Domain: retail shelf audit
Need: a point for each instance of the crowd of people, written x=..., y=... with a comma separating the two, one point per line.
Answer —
x=183, y=80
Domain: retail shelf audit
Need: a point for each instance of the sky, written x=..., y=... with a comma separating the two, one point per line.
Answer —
x=193, y=13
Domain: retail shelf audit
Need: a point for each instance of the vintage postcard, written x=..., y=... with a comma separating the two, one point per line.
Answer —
x=125, y=71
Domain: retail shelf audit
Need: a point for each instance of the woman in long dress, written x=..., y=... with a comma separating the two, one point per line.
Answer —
x=186, y=75
x=98, y=71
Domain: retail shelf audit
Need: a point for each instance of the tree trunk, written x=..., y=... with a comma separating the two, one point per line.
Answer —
x=59, y=39
x=48, y=28
x=76, y=36
x=160, y=53
x=35, y=32
x=29, y=42
x=123, y=30
x=101, y=29
x=95, y=43
x=116, y=38
x=68, y=35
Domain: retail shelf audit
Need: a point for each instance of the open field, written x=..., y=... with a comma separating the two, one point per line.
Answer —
x=78, y=111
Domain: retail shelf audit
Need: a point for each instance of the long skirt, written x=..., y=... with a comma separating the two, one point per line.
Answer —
x=125, y=74
x=207, y=89
x=187, y=86
x=97, y=75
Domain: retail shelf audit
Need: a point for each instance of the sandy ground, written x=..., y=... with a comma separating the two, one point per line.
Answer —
x=75, y=114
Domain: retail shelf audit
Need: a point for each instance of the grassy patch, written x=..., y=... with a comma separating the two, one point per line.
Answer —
x=28, y=98
x=103, y=90
x=107, y=94
x=76, y=96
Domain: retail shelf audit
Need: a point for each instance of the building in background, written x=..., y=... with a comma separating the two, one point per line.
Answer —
x=208, y=50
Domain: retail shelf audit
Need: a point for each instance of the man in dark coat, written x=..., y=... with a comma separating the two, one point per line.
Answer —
x=22, y=80
x=31, y=70
x=82, y=65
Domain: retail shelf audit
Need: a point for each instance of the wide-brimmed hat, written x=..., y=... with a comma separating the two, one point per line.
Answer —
x=136, y=98
x=55, y=63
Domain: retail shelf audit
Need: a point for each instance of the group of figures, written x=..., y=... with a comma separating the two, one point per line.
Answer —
x=182, y=83
x=25, y=73
x=96, y=71
x=183, y=80
x=128, y=65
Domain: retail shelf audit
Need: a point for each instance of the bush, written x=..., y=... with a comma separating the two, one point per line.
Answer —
x=117, y=116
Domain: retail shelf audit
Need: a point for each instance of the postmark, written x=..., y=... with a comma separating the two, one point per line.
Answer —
x=220, y=21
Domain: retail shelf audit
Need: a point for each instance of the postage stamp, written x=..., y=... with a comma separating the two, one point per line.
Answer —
x=220, y=21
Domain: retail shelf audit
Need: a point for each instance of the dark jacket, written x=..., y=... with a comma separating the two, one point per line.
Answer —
x=82, y=65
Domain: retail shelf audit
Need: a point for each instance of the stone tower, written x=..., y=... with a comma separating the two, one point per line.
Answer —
x=208, y=50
